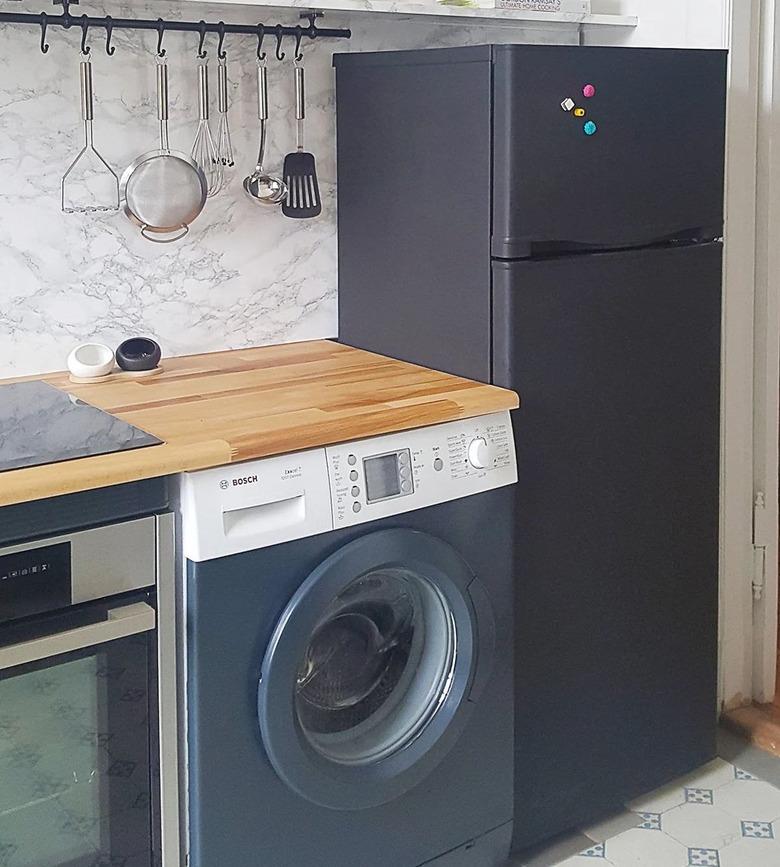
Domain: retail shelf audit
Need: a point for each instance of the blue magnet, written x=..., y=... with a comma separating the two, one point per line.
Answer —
x=590, y=128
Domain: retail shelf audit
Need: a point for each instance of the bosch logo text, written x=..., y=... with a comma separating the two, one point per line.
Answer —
x=242, y=480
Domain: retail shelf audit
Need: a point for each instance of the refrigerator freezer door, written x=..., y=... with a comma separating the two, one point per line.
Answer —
x=617, y=359
x=651, y=170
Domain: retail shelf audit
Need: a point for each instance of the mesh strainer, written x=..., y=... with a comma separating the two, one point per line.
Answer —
x=163, y=191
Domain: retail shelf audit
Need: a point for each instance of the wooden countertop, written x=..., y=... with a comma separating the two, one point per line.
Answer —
x=224, y=407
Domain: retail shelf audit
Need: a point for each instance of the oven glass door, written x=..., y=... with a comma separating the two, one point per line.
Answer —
x=77, y=699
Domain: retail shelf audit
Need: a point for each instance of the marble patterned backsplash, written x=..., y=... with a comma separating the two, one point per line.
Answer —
x=245, y=275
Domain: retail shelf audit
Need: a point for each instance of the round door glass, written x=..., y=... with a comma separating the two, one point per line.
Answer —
x=377, y=667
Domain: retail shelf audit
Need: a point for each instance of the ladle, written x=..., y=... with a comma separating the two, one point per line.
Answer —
x=260, y=185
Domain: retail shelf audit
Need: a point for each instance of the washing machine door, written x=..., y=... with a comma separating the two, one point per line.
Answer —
x=372, y=669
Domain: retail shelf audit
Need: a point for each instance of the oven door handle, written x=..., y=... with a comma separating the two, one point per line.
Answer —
x=120, y=623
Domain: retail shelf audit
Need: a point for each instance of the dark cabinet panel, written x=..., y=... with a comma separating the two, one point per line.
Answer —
x=414, y=168
x=617, y=361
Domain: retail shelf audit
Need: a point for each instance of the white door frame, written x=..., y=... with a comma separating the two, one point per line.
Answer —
x=737, y=416
x=751, y=359
x=766, y=389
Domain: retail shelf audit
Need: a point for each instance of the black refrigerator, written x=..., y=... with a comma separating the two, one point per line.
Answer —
x=550, y=218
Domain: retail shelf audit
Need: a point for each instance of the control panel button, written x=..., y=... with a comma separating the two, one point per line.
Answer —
x=353, y=476
x=352, y=460
x=356, y=507
x=355, y=491
x=438, y=464
x=406, y=486
x=479, y=453
x=403, y=459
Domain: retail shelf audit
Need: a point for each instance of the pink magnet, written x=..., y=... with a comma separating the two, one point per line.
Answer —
x=588, y=91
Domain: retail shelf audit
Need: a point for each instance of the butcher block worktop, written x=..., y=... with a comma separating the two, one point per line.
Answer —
x=225, y=407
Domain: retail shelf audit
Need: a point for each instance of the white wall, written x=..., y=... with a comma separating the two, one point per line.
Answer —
x=669, y=23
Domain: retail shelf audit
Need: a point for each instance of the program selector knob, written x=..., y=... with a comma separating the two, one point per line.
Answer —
x=479, y=453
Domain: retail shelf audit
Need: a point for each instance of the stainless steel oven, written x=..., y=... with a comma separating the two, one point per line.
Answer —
x=87, y=699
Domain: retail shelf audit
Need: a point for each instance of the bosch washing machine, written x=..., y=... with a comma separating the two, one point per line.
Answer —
x=347, y=640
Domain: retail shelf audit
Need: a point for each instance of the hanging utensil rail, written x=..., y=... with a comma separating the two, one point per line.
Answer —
x=109, y=24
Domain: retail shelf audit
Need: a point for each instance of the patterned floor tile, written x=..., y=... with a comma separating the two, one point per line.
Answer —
x=751, y=852
x=551, y=852
x=711, y=777
x=612, y=826
x=739, y=774
x=638, y=848
x=698, y=857
x=698, y=796
x=660, y=800
x=650, y=821
x=701, y=826
x=752, y=801
x=748, y=758
x=585, y=861
x=760, y=830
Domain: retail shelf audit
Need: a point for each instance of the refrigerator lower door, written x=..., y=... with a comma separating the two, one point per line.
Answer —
x=617, y=360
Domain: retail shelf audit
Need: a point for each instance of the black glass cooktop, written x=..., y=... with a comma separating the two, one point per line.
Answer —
x=40, y=424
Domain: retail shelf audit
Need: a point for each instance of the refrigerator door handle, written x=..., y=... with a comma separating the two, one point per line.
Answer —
x=549, y=249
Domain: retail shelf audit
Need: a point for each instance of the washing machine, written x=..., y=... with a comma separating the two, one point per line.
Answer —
x=347, y=643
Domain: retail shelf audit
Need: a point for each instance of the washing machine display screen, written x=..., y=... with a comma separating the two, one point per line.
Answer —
x=383, y=477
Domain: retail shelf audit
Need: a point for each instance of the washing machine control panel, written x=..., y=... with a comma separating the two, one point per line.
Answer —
x=387, y=475
x=255, y=504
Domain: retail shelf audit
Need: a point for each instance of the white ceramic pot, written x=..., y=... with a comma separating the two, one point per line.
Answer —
x=90, y=360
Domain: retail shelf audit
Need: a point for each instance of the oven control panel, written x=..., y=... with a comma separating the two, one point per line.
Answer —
x=387, y=475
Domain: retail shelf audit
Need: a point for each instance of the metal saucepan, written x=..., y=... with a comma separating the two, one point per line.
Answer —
x=163, y=191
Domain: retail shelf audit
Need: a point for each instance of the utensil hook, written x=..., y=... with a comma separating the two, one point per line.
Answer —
x=44, y=25
x=85, y=49
x=280, y=55
x=221, y=55
x=298, y=54
x=311, y=17
x=202, y=30
x=109, y=30
x=261, y=55
x=160, y=34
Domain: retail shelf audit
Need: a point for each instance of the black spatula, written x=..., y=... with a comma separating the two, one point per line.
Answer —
x=300, y=173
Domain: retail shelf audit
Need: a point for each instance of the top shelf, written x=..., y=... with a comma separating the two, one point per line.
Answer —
x=451, y=13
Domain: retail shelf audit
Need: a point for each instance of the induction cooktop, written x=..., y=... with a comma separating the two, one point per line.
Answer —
x=40, y=424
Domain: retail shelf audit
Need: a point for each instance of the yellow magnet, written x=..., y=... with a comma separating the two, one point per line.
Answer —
x=579, y=112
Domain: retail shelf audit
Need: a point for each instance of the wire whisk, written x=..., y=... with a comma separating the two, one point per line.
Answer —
x=204, y=150
x=224, y=142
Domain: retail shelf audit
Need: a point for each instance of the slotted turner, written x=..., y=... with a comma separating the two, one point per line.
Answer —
x=300, y=173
